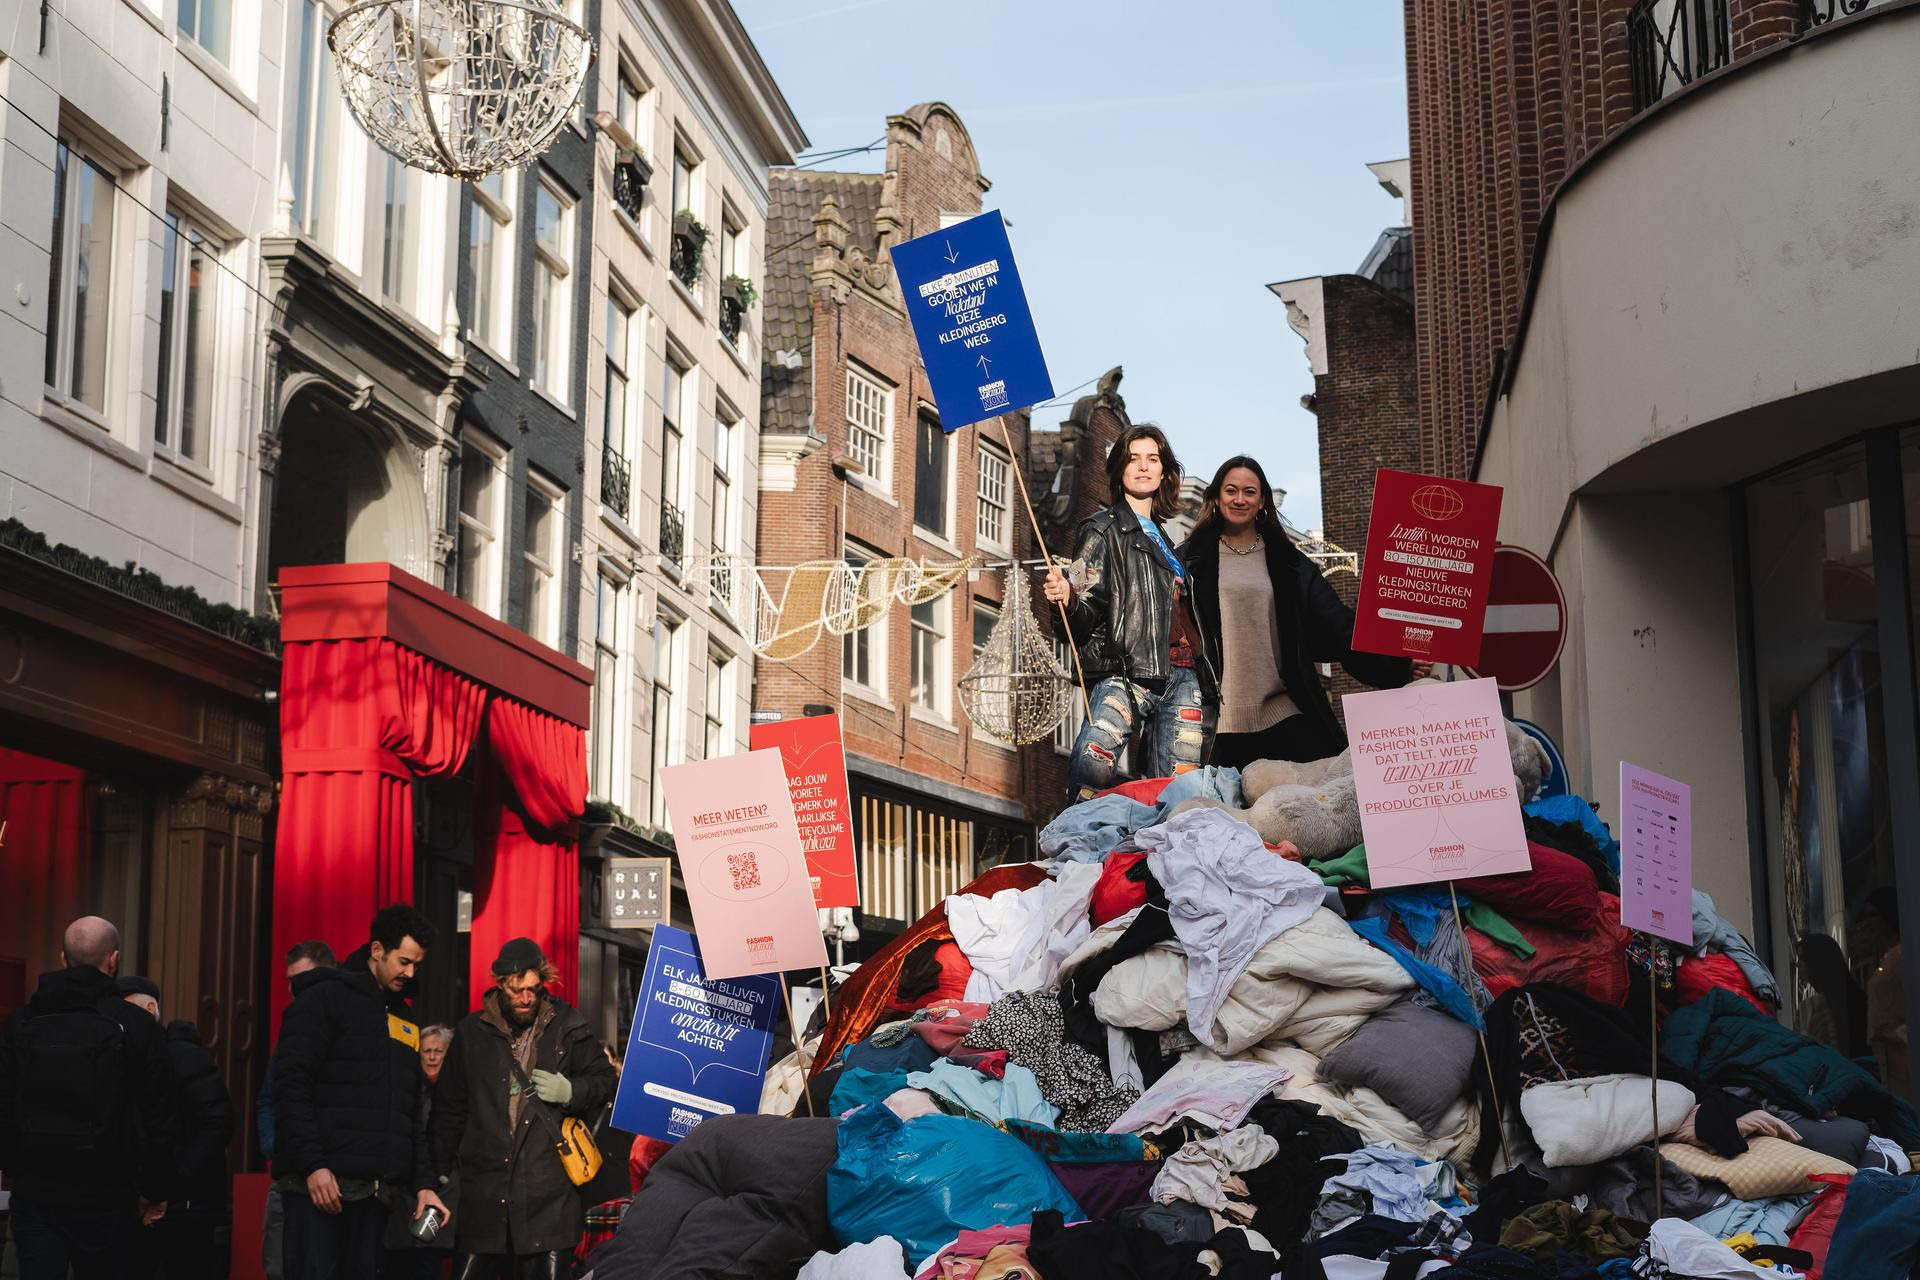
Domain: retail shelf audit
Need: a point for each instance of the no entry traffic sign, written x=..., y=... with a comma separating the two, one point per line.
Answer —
x=1526, y=621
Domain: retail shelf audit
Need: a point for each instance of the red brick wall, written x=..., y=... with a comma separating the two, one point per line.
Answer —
x=1368, y=408
x=858, y=323
x=1504, y=98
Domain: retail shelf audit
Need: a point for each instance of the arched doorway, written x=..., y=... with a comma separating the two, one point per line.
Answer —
x=340, y=494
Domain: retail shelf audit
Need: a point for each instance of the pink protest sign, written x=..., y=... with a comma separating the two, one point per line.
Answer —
x=739, y=848
x=1656, y=854
x=1438, y=799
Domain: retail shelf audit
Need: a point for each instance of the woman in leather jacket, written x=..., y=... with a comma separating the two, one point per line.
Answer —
x=1269, y=616
x=1138, y=639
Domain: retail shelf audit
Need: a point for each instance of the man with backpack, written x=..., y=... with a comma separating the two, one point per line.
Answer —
x=348, y=1139
x=86, y=1115
x=186, y=1242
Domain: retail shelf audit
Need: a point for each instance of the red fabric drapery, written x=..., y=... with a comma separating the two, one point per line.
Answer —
x=527, y=875
x=359, y=721
x=45, y=858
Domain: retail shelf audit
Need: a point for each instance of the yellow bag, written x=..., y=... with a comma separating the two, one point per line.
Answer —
x=573, y=1140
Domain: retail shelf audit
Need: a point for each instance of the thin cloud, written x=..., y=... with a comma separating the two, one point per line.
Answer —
x=1250, y=93
x=799, y=18
x=1198, y=97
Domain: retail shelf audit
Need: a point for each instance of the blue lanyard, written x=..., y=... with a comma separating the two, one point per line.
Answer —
x=1152, y=531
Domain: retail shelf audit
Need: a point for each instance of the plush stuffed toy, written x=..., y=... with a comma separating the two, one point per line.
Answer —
x=1313, y=805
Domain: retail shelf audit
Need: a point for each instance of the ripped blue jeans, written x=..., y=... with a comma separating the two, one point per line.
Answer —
x=1179, y=730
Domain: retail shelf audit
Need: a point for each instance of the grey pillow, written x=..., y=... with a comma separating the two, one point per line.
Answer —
x=1417, y=1058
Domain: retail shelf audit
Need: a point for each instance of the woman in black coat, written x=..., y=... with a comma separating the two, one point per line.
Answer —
x=1268, y=616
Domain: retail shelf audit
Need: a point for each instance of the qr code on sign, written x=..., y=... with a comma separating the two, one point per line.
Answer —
x=746, y=870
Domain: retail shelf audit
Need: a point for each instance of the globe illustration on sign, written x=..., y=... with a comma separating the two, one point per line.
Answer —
x=1438, y=502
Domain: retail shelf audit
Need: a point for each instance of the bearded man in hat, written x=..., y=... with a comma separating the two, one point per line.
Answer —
x=519, y=1064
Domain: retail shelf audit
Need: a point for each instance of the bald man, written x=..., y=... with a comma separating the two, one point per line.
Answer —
x=86, y=1105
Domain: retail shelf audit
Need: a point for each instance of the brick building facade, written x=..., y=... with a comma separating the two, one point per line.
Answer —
x=1504, y=101
x=855, y=466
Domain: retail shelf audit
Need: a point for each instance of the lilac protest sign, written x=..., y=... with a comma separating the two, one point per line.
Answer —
x=1656, y=854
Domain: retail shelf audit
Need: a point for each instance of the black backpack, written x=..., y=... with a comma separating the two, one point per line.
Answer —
x=72, y=1084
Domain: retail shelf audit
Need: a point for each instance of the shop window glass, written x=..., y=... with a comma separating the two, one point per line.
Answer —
x=1830, y=855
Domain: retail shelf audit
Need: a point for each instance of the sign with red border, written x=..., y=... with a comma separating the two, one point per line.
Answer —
x=1428, y=568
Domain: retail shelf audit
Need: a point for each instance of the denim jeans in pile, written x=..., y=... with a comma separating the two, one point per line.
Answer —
x=1178, y=729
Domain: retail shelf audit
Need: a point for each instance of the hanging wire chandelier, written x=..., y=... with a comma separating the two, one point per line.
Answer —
x=1015, y=691
x=460, y=87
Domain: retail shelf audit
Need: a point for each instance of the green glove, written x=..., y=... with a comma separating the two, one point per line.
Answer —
x=551, y=1086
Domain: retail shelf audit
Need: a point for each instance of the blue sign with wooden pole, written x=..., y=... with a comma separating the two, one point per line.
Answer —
x=971, y=320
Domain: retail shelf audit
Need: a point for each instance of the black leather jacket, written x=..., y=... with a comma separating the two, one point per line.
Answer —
x=1122, y=621
x=1315, y=626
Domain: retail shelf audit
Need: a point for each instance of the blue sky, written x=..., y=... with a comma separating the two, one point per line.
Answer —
x=1160, y=164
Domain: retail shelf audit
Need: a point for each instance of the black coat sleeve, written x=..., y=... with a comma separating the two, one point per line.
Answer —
x=206, y=1109
x=1088, y=608
x=591, y=1075
x=1328, y=625
x=304, y=1035
x=159, y=1169
x=450, y=1104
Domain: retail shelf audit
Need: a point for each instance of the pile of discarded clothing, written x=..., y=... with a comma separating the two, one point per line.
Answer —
x=1192, y=1041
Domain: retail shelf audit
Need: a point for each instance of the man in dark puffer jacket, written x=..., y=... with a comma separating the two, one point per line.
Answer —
x=184, y=1245
x=347, y=1088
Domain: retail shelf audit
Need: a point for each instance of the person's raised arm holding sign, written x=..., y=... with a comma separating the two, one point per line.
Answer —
x=1137, y=638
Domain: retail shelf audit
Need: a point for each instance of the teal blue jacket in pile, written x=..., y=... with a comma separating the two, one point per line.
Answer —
x=1726, y=1041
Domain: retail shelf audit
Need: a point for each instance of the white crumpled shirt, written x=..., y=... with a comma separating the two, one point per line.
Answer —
x=1228, y=894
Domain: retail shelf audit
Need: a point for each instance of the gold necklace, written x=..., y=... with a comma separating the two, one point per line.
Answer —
x=1250, y=548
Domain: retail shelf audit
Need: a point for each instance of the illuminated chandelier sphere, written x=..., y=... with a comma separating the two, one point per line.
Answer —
x=461, y=87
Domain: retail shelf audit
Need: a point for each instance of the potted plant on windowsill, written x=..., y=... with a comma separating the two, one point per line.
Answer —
x=689, y=247
x=736, y=295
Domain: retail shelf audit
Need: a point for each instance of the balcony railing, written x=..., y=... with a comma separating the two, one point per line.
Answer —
x=1673, y=43
x=616, y=482
x=630, y=177
x=1818, y=13
x=673, y=535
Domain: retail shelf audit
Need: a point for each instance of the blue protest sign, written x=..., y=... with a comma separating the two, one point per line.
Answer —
x=971, y=320
x=698, y=1047
x=1556, y=782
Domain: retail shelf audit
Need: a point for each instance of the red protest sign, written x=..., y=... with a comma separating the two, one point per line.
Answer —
x=816, y=766
x=1428, y=567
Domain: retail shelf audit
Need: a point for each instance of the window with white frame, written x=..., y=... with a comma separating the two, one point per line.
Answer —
x=311, y=130
x=932, y=465
x=616, y=472
x=726, y=448
x=932, y=672
x=1067, y=732
x=985, y=615
x=483, y=517
x=401, y=238
x=630, y=102
x=189, y=311
x=608, y=676
x=542, y=531
x=667, y=747
x=80, y=288
x=870, y=426
x=673, y=420
x=553, y=291
x=718, y=737
x=731, y=243
x=993, y=517
x=490, y=255
x=209, y=24
x=863, y=651
x=685, y=196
